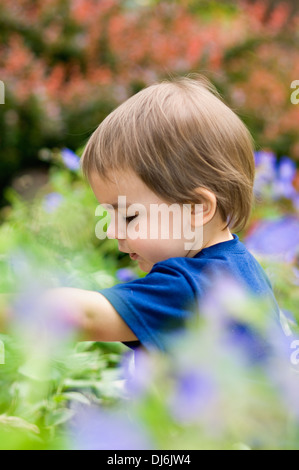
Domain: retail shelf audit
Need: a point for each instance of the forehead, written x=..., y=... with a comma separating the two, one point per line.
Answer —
x=124, y=183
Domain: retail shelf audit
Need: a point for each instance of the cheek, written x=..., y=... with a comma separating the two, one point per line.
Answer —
x=158, y=250
x=168, y=226
x=153, y=238
x=151, y=251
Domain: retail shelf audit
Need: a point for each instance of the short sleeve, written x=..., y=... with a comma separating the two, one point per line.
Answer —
x=154, y=306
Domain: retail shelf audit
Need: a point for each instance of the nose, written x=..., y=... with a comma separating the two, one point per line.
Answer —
x=115, y=231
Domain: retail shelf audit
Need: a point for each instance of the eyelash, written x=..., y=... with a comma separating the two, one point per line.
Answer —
x=128, y=219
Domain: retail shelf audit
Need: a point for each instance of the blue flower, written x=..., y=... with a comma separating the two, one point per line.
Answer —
x=286, y=169
x=275, y=178
x=70, y=159
x=265, y=170
x=279, y=238
x=138, y=371
x=283, y=189
x=126, y=274
x=246, y=340
x=282, y=185
x=99, y=429
x=263, y=157
x=194, y=391
x=52, y=201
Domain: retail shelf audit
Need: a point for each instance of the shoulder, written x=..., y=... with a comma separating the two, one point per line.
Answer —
x=179, y=265
x=187, y=276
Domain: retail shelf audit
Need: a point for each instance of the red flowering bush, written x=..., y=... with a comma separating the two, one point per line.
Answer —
x=67, y=63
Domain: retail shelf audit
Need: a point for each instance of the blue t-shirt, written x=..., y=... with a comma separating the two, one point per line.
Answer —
x=169, y=295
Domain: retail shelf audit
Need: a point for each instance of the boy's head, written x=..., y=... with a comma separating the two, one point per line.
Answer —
x=183, y=144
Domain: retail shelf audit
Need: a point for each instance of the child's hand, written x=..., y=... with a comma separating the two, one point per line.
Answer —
x=87, y=314
x=61, y=304
x=52, y=307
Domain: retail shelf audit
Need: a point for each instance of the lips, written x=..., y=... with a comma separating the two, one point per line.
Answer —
x=133, y=255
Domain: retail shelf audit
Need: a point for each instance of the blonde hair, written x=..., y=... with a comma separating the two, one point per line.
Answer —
x=178, y=135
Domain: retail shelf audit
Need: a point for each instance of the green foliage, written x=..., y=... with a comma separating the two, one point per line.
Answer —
x=66, y=65
x=37, y=393
x=33, y=233
x=56, y=393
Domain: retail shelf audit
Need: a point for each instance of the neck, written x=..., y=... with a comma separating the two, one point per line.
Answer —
x=223, y=236
x=213, y=233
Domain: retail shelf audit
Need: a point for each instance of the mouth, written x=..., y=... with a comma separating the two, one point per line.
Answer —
x=134, y=256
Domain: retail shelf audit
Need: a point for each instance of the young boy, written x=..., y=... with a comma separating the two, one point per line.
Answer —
x=176, y=145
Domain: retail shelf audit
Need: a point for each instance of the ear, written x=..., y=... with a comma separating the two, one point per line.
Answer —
x=204, y=210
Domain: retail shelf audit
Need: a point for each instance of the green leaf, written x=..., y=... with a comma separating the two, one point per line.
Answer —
x=59, y=417
x=72, y=396
x=16, y=422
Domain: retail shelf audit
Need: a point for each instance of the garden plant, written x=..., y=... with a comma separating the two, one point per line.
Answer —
x=65, y=66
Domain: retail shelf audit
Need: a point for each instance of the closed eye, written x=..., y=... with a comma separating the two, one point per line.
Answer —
x=128, y=219
x=131, y=217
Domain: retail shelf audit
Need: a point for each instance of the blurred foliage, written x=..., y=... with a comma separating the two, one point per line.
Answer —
x=67, y=64
x=56, y=231
x=37, y=392
x=57, y=393
x=48, y=242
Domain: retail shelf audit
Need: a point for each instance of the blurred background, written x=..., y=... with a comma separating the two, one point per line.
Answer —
x=65, y=65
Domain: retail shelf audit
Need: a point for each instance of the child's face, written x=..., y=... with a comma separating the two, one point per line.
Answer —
x=151, y=239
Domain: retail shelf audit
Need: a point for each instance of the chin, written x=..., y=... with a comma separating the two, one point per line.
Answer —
x=144, y=266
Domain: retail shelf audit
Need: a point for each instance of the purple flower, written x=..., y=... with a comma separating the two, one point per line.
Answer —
x=138, y=370
x=52, y=201
x=249, y=342
x=283, y=189
x=275, y=178
x=282, y=186
x=126, y=274
x=70, y=159
x=194, y=391
x=279, y=238
x=266, y=159
x=265, y=171
x=285, y=380
x=98, y=429
x=222, y=296
x=229, y=320
x=286, y=169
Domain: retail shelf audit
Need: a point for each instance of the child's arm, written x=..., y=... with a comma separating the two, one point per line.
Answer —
x=89, y=312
